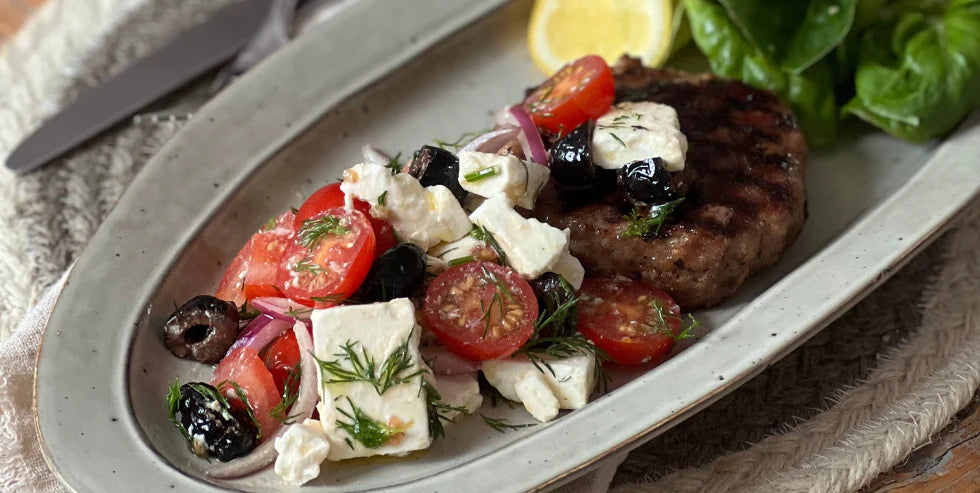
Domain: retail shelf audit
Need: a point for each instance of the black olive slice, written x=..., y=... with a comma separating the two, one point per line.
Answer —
x=436, y=166
x=397, y=273
x=647, y=181
x=202, y=329
x=571, y=158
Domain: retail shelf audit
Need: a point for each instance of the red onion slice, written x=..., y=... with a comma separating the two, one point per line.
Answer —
x=281, y=308
x=445, y=362
x=532, y=143
x=262, y=330
x=492, y=141
x=265, y=453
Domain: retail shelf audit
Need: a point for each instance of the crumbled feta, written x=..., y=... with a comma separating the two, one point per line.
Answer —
x=302, y=448
x=572, y=382
x=570, y=268
x=537, y=396
x=421, y=215
x=463, y=247
x=520, y=181
x=376, y=330
x=460, y=390
x=633, y=131
x=532, y=247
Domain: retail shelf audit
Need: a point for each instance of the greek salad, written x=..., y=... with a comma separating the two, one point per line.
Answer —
x=388, y=305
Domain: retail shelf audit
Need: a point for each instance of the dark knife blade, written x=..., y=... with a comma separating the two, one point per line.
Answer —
x=190, y=54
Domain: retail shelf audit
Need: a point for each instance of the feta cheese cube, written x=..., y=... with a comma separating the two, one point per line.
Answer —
x=633, y=131
x=459, y=390
x=421, y=215
x=376, y=331
x=520, y=181
x=302, y=448
x=538, y=399
x=572, y=382
x=531, y=246
x=570, y=268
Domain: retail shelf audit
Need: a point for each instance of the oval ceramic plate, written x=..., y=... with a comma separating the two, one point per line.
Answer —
x=382, y=73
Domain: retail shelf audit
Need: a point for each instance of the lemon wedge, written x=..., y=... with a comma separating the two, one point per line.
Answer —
x=564, y=30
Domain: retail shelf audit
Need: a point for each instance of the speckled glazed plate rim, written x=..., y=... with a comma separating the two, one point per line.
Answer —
x=293, y=91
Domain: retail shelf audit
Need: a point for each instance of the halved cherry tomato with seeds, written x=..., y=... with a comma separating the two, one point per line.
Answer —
x=631, y=321
x=480, y=310
x=581, y=91
x=331, y=196
x=329, y=257
x=252, y=274
x=244, y=367
x=280, y=357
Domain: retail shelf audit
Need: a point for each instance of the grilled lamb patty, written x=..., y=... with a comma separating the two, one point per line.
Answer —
x=744, y=185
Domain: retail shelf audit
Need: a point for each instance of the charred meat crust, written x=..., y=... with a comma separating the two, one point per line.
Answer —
x=744, y=182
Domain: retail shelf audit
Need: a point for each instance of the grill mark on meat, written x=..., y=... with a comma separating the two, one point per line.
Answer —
x=744, y=185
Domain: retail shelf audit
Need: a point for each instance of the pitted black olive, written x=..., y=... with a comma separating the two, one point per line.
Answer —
x=571, y=159
x=554, y=294
x=397, y=273
x=213, y=427
x=436, y=166
x=647, y=181
x=202, y=329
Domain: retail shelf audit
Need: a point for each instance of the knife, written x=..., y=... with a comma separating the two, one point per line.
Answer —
x=190, y=54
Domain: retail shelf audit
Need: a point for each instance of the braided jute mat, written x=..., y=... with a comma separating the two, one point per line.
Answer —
x=851, y=403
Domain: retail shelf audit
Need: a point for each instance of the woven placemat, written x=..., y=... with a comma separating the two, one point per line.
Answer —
x=818, y=420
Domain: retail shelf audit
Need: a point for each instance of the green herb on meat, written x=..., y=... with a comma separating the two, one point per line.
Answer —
x=365, y=429
x=649, y=224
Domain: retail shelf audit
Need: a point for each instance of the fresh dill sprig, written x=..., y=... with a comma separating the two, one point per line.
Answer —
x=438, y=411
x=481, y=174
x=663, y=327
x=290, y=393
x=501, y=425
x=313, y=230
x=618, y=139
x=363, y=368
x=497, y=298
x=540, y=350
x=460, y=142
x=643, y=225
x=365, y=429
x=299, y=312
x=556, y=314
x=307, y=265
x=461, y=260
x=173, y=406
x=393, y=165
x=383, y=198
x=487, y=389
x=240, y=392
x=480, y=233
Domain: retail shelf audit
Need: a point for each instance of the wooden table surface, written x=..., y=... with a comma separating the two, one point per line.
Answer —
x=951, y=463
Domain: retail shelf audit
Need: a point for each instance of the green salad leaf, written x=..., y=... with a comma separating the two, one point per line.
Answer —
x=919, y=75
x=794, y=34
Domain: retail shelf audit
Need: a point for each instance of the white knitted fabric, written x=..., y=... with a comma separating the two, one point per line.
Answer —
x=47, y=217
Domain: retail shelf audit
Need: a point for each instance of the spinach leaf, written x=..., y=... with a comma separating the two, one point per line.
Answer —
x=919, y=75
x=810, y=93
x=794, y=34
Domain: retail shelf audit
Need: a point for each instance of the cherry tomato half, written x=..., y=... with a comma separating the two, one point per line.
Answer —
x=244, y=367
x=329, y=257
x=480, y=310
x=580, y=91
x=280, y=357
x=252, y=273
x=331, y=196
x=621, y=317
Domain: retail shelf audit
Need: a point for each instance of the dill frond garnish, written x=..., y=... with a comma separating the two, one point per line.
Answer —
x=618, y=139
x=438, y=411
x=383, y=198
x=481, y=174
x=480, y=233
x=501, y=425
x=461, y=260
x=393, y=165
x=460, y=142
x=240, y=392
x=173, y=405
x=307, y=265
x=365, y=429
x=313, y=230
x=663, y=327
x=643, y=225
x=290, y=393
x=353, y=367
